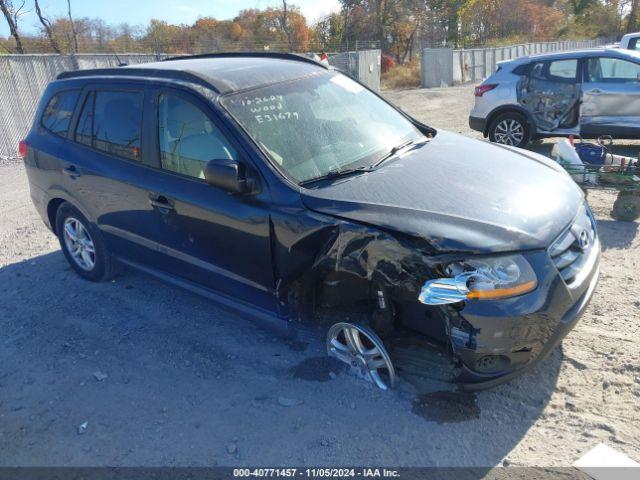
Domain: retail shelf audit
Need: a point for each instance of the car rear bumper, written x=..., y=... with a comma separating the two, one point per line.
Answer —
x=477, y=124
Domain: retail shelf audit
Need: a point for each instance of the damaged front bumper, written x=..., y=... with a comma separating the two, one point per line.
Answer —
x=521, y=361
x=494, y=341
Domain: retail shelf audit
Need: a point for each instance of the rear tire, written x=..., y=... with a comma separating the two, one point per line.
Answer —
x=510, y=129
x=83, y=245
x=626, y=207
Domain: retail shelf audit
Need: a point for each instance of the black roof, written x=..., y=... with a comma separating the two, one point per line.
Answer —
x=225, y=72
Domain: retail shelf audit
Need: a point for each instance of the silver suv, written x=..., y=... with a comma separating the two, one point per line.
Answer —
x=583, y=92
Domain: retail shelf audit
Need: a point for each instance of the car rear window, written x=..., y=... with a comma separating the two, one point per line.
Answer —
x=112, y=122
x=57, y=114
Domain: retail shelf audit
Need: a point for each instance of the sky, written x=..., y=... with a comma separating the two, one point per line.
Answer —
x=139, y=12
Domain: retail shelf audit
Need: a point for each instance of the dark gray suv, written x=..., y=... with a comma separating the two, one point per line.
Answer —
x=280, y=187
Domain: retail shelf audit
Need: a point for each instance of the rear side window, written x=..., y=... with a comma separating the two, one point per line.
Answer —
x=555, y=71
x=58, y=112
x=521, y=69
x=565, y=69
x=112, y=122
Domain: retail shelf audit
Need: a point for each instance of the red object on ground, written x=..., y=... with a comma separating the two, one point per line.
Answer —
x=387, y=63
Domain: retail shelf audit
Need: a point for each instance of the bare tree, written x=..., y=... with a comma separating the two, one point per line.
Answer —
x=74, y=35
x=46, y=24
x=11, y=14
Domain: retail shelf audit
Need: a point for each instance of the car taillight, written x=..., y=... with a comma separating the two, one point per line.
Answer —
x=22, y=149
x=482, y=89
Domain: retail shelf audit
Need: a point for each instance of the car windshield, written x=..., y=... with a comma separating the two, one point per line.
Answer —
x=319, y=125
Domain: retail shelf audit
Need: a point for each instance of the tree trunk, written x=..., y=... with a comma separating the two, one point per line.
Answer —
x=633, y=17
x=74, y=36
x=284, y=23
x=47, y=28
x=11, y=18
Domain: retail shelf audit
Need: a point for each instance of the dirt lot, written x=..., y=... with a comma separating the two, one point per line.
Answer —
x=163, y=377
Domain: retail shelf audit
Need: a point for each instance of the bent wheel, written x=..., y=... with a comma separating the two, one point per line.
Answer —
x=363, y=351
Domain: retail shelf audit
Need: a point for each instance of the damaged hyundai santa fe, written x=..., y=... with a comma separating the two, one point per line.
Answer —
x=283, y=189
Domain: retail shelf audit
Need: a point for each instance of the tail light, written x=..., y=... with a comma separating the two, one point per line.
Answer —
x=22, y=149
x=482, y=89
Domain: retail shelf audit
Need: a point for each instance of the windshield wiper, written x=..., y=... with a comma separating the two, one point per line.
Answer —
x=332, y=174
x=395, y=150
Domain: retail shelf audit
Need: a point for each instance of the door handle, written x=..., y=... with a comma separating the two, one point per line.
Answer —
x=71, y=171
x=595, y=91
x=161, y=202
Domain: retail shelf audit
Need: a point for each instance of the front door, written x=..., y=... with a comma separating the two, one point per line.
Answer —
x=207, y=235
x=611, y=98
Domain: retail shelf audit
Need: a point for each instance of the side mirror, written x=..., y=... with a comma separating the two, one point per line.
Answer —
x=228, y=175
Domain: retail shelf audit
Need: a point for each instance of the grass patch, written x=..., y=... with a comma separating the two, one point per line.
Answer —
x=402, y=76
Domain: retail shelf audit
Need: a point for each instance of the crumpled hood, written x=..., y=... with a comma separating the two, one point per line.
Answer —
x=460, y=195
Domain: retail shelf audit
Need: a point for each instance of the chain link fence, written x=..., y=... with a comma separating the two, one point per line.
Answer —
x=23, y=79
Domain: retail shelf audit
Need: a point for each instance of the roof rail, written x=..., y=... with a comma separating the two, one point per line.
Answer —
x=281, y=55
x=139, y=72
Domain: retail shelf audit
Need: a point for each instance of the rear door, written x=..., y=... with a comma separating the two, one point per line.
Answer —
x=105, y=172
x=551, y=93
x=611, y=97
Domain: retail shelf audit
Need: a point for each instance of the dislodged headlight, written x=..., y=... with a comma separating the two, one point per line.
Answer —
x=482, y=279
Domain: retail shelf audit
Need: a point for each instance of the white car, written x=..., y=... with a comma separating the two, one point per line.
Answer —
x=630, y=41
x=584, y=92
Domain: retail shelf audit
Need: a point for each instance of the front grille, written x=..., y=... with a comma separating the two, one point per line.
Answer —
x=570, y=252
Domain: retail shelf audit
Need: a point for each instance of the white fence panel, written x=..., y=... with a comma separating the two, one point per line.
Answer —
x=474, y=65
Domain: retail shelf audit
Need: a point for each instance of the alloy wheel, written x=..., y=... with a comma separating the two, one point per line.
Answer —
x=363, y=351
x=509, y=132
x=79, y=244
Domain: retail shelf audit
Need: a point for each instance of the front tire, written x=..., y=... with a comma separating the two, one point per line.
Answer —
x=510, y=129
x=83, y=245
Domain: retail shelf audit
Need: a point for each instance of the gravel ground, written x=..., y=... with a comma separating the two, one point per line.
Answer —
x=159, y=376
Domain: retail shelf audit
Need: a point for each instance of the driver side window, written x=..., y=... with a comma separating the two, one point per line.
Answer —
x=188, y=139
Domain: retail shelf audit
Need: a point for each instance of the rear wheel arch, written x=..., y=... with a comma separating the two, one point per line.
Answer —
x=54, y=205
x=100, y=264
x=52, y=212
x=512, y=128
x=508, y=109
